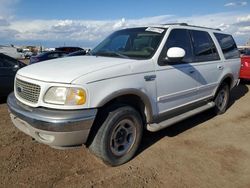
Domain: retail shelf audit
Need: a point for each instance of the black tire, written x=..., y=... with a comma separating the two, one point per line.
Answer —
x=119, y=136
x=221, y=99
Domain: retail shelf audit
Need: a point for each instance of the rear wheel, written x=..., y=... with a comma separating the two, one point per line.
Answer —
x=222, y=99
x=119, y=136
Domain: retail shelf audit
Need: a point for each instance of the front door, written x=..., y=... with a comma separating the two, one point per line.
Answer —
x=176, y=82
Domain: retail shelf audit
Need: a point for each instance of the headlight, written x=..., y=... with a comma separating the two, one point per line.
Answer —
x=65, y=96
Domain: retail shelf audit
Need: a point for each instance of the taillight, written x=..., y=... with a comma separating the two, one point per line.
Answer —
x=245, y=61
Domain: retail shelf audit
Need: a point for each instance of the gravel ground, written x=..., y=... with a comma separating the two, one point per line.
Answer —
x=202, y=151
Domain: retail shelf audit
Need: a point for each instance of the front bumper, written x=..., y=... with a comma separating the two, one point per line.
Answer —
x=57, y=128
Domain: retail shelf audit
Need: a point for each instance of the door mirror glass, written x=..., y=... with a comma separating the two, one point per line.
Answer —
x=175, y=54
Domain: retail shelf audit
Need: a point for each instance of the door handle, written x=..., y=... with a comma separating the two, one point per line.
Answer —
x=150, y=77
x=220, y=67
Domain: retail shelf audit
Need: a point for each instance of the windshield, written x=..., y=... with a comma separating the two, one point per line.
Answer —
x=138, y=43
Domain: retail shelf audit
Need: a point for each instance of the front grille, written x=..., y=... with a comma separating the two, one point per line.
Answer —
x=27, y=91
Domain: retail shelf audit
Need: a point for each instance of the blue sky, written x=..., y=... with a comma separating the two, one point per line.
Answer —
x=85, y=23
x=114, y=9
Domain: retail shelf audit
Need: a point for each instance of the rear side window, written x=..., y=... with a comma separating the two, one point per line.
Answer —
x=204, y=47
x=228, y=46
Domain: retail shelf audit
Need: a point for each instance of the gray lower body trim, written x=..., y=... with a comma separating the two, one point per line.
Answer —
x=61, y=127
x=180, y=110
x=52, y=120
x=158, y=126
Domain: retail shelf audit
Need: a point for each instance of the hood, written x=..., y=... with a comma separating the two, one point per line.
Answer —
x=65, y=70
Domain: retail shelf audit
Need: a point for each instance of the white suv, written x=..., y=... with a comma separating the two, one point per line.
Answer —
x=137, y=78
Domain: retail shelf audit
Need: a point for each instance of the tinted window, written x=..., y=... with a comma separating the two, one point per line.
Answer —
x=247, y=52
x=204, y=47
x=68, y=49
x=228, y=46
x=53, y=55
x=179, y=38
x=62, y=54
x=119, y=42
x=241, y=51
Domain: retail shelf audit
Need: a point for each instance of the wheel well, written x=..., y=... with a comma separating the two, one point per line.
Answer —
x=228, y=81
x=130, y=100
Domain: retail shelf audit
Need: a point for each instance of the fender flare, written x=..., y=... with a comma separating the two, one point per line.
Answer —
x=131, y=91
x=222, y=80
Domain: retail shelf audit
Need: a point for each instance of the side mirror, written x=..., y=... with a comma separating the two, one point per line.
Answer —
x=175, y=54
x=15, y=67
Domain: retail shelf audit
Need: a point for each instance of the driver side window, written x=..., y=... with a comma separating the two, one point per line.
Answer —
x=178, y=38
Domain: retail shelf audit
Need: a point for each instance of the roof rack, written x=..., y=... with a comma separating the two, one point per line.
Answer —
x=185, y=24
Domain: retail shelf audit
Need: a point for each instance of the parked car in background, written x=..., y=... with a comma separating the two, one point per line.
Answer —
x=27, y=55
x=242, y=51
x=68, y=49
x=77, y=53
x=11, y=51
x=245, y=65
x=8, y=68
x=46, y=56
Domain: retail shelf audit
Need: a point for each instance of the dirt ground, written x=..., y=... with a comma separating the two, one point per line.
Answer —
x=203, y=151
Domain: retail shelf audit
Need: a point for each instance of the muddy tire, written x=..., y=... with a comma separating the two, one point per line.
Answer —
x=119, y=136
x=222, y=99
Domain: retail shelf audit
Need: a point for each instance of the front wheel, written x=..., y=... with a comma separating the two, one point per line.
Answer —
x=119, y=137
x=222, y=99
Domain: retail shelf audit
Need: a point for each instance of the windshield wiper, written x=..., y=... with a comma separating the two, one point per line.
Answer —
x=111, y=54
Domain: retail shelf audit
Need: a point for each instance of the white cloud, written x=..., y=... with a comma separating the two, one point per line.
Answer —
x=230, y=4
x=244, y=3
x=6, y=14
x=235, y=4
x=244, y=18
x=92, y=31
x=3, y=22
x=245, y=29
x=6, y=8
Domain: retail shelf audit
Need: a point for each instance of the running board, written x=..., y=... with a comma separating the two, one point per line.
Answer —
x=158, y=126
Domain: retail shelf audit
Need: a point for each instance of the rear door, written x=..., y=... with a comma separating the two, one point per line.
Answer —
x=8, y=69
x=230, y=53
x=207, y=63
